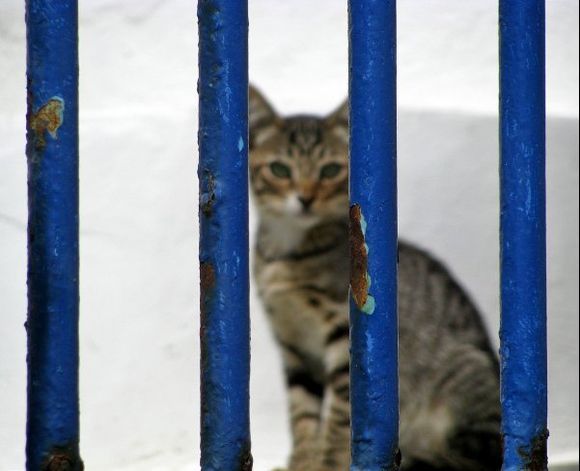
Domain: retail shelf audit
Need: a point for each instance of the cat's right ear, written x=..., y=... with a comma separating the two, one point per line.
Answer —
x=263, y=120
x=337, y=121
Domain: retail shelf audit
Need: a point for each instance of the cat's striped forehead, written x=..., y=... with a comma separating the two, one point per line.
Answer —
x=305, y=139
x=303, y=133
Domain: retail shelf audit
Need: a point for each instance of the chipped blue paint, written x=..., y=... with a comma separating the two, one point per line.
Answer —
x=369, y=305
x=523, y=234
x=223, y=176
x=374, y=385
x=363, y=226
x=52, y=428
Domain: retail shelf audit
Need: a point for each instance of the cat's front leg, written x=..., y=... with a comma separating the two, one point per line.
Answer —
x=305, y=410
x=305, y=402
x=335, y=426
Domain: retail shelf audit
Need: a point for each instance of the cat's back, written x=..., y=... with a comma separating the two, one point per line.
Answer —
x=434, y=308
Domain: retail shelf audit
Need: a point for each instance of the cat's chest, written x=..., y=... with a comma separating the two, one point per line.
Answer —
x=301, y=320
x=322, y=269
x=303, y=303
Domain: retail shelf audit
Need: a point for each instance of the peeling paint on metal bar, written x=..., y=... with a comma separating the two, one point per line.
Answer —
x=373, y=236
x=523, y=234
x=224, y=246
x=52, y=429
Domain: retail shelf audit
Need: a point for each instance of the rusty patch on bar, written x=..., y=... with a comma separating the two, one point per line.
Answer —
x=207, y=282
x=358, y=258
x=207, y=198
x=46, y=120
x=535, y=458
x=63, y=458
x=359, y=277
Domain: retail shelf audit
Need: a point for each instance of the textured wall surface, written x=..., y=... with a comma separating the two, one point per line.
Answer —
x=139, y=274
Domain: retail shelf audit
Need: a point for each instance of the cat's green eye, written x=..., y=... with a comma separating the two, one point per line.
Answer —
x=330, y=171
x=280, y=170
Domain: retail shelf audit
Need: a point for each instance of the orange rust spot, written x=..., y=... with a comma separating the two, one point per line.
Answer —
x=207, y=277
x=207, y=282
x=359, y=285
x=47, y=119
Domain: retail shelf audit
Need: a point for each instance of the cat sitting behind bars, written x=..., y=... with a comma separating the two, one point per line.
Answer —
x=449, y=386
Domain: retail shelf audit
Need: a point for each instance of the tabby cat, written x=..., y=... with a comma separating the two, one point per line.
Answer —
x=449, y=387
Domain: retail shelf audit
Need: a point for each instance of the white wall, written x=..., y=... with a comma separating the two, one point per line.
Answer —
x=139, y=282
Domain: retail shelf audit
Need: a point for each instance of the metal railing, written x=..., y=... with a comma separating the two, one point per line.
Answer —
x=224, y=246
x=523, y=233
x=53, y=235
x=373, y=234
x=52, y=152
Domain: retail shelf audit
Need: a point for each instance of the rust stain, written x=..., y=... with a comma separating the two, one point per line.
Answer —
x=63, y=459
x=207, y=278
x=47, y=119
x=207, y=282
x=536, y=457
x=359, y=283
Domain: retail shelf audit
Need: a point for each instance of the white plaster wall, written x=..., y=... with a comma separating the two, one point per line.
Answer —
x=139, y=282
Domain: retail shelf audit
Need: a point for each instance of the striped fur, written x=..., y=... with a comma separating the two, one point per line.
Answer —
x=448, y=372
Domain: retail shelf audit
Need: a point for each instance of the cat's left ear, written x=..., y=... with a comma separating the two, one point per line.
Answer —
x=263, y=120
x=337, y=121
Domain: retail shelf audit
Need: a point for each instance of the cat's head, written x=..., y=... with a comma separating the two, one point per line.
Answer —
x=298, y=164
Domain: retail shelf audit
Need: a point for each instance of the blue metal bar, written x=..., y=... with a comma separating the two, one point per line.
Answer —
x=523, y=234
x=373, y=235
x=223, y=176
x=53, y=247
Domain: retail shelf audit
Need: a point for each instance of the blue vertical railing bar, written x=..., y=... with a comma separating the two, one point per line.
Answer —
x=223, y=177
x=523, y=234
x=53, y=226
x=373, y=235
